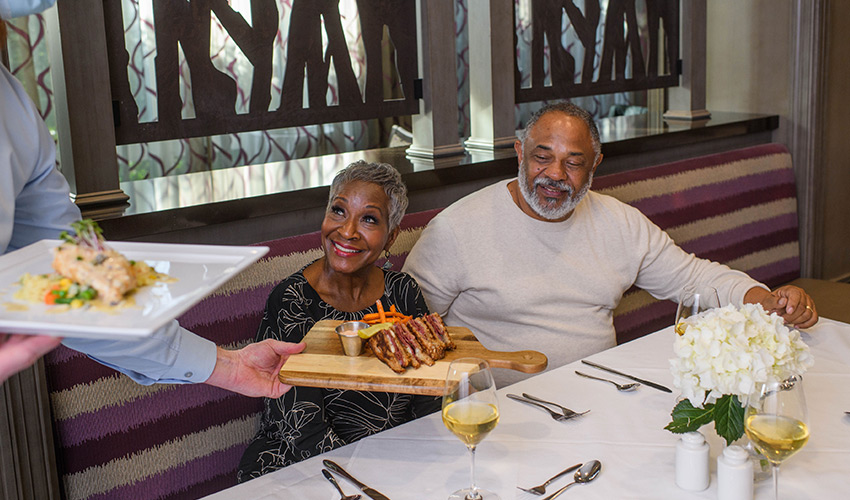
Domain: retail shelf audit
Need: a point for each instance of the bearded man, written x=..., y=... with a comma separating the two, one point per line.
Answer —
x=540, y=262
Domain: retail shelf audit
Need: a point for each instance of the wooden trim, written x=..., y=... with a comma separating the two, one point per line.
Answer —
x=4, y=53
x=491, y=92
x=687, y=101
x=435, y=127
x=89, y=104
x=27, y=457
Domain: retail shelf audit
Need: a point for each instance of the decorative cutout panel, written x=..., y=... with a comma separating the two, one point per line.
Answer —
x=319, y=84
x=597, y=47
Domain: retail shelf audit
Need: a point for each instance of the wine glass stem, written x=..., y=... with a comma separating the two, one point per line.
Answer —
x=776, y=482
x=473, y=490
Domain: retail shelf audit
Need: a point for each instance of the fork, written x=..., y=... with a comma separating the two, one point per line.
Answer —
x=567, y=412
x=541, y=489
x=555, y=415
x=620, y=387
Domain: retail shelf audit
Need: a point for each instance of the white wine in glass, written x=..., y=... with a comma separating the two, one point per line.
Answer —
x=692, y=301
x=470, y=411
x=775, y=421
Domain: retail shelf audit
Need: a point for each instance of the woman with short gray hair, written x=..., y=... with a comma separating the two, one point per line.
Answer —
x=366, y=204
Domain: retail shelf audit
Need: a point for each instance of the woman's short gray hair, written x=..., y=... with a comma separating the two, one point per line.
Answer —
x=382, y=174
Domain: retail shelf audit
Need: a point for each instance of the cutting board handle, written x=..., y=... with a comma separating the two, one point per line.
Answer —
x=521, y=361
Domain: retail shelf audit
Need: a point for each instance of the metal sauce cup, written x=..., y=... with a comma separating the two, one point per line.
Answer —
x=352, y=344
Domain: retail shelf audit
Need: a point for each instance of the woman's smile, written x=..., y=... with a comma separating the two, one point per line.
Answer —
x=345, y=250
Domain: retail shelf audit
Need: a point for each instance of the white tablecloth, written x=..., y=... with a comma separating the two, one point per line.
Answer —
x=625, y=431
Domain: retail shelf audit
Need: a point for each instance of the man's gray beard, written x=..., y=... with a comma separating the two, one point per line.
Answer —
x=547, y=210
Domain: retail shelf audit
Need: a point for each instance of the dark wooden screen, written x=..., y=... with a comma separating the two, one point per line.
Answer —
x=214, y=93
x=620, y=40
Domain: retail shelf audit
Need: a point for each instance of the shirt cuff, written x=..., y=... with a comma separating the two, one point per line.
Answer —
x=196, y=357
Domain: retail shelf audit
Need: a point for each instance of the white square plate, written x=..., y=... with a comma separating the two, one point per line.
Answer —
x=198, y=269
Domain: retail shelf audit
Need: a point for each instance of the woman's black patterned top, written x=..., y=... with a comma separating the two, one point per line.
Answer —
x=308, y=421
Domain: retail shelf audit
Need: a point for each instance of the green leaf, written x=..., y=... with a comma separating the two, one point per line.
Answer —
x=686, y=418
x=729, y=418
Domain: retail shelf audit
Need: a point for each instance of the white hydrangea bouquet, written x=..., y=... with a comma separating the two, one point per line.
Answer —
x=720, y=355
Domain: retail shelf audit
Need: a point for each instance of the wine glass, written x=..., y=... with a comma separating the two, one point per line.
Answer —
x=470, y=411
x=775, y=421
x=694, y=300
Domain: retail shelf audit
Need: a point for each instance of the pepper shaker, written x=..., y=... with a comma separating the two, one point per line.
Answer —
x=692, y=462
x=734, y=474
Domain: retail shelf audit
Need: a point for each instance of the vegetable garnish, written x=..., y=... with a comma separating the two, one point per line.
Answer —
x=69, y=292
x=89, y=235
x=389, y=317
x=381, y=311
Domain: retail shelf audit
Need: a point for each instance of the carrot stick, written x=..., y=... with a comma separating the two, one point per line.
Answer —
x=381, y=311
x=389, y=319
x=390, y=314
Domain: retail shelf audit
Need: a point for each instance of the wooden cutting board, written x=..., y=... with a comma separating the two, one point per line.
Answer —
x=323, y=364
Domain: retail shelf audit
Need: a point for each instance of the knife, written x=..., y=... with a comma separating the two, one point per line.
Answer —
x=631, y=377
x=370, y=492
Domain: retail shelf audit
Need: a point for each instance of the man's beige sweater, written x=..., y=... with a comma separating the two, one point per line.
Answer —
x=519, y=283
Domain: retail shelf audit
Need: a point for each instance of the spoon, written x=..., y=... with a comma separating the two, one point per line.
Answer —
x=620, y=387
x=330, y=478
x=585, y=474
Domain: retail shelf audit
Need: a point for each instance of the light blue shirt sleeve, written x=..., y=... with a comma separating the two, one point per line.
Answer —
x=35, y=204
x=172, y=355
x=10, y=9
x=35, y=200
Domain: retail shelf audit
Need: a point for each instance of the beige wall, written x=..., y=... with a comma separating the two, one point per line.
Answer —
x=748, y=53
x=750, y=65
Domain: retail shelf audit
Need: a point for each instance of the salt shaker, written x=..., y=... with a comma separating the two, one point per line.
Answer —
x=734, y=474
x=692, y=462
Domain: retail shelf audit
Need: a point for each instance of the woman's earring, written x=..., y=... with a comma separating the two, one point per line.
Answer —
x=387, y=265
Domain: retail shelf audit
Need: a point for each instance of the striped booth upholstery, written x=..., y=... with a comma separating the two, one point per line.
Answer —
x=119, y=440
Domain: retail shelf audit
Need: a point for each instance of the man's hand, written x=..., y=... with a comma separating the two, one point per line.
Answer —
x=20, y=351
x=792, y=303
x=253, y=370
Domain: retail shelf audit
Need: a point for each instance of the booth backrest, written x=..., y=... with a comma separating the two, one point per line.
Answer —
x=116, y=439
